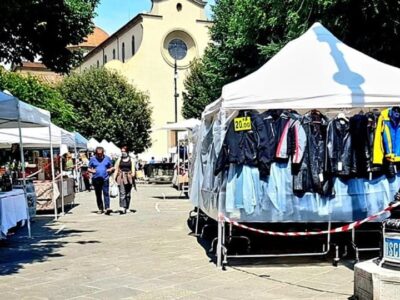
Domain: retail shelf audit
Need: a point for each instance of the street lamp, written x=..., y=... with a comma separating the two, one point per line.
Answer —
x=178, y=50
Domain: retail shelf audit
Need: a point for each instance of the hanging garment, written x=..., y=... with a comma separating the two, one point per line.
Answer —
x=310, y=175
x=339, y=148
x=362, y=131
x=241, y=147
x=387, y=137
x=242, y=189
x=268, y=141
x=292, y=138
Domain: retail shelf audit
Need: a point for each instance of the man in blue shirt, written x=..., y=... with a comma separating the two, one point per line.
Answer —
x=101, y=167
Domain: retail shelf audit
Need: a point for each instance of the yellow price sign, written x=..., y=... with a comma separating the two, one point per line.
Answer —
x=242, y=124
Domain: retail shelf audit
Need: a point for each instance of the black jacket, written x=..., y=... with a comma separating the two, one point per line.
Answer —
x=362, y=131
x=241, y=147
x=310, y=175
x=268, y=141
x=339, y=148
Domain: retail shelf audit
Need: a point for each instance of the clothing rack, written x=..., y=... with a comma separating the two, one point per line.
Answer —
x=225, y=235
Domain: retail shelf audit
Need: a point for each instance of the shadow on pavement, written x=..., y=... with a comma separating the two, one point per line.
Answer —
x=170, y=197
x=18, y=250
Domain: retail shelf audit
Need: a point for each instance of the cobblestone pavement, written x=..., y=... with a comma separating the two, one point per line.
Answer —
x=145, y=255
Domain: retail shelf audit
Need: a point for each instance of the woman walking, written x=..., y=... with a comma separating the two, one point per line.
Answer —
x=125, y=178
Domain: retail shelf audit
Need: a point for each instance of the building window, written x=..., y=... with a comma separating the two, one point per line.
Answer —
x=177, y=49
x=179, y=7
x=98, y=64
x=123, y=52
x=133, y=45
x=105, y=59
x=113, y=53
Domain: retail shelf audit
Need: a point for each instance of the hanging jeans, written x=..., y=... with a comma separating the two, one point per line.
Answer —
x=125, y=195
x=102, y=185
x=243, y=188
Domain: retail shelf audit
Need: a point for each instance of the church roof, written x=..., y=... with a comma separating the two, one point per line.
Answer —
x=94, y=39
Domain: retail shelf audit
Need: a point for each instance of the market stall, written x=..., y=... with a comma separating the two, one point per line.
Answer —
x=183, y=152
x=40, y=164
x=17, y=114
x=296, y=99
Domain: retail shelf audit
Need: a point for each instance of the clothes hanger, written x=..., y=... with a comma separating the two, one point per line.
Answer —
x=342, y=116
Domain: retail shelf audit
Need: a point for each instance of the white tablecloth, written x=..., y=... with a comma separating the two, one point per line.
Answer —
x=12, y=209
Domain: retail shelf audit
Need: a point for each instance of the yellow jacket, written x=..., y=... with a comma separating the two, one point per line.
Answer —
x=386, y=140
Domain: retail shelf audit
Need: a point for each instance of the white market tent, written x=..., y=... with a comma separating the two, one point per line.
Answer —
x=18, y=114
x=113, y=149
x=315, y=70
x=38, y=137
x=92, y=144
x=182, y=126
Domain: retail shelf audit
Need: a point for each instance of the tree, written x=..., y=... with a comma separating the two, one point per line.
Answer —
x=108, y=107
x=40, y=94
x=42, y=28
x=247, y=33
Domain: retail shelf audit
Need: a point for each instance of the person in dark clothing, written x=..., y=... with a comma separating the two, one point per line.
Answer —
x=101, y=167
x=125, y=174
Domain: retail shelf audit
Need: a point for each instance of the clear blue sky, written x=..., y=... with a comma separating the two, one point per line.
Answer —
x=112, y=14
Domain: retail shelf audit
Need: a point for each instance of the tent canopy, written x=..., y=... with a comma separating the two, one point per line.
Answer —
x=37, y=137
x=183, y=125
x=315, y=70
x=81, y=141
x=92, y=144
x=11, y=108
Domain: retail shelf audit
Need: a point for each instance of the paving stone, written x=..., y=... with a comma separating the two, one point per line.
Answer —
x=116, y=293
x=146, y=255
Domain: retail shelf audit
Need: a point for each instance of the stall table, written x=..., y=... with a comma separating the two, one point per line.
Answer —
x=12, y=210
x=44, y=193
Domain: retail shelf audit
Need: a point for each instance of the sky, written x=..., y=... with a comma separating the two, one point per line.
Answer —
x=113, y=14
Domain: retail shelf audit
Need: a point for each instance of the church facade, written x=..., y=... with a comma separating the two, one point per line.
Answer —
x=154, y=52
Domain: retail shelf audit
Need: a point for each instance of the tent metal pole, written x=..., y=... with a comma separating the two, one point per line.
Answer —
x=62, y=183
x=21, y=148
x=53, y=176
x=77, y=181
x=220, y=221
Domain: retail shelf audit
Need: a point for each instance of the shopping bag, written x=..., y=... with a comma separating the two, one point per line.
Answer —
x=114, y=190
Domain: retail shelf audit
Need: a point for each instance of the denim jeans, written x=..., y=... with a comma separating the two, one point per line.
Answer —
x=102, y=186
x=125, y=195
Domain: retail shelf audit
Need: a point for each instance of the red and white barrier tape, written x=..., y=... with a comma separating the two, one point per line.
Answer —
x=344, y=228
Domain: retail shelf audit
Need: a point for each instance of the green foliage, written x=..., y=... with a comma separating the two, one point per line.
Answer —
x=43, y=28
x=108, y=107
x=247, y=33
x=42, y=95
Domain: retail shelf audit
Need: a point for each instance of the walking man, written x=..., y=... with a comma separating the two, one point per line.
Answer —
x=101, y=167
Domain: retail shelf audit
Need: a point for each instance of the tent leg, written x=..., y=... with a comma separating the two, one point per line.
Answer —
x=21, y=148
x=62, y=184
x=53, y=176
x=219, y=245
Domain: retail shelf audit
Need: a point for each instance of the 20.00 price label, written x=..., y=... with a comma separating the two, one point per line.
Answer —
x=242, y=124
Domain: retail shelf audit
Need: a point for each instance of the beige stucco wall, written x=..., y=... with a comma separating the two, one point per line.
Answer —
x=151, y=69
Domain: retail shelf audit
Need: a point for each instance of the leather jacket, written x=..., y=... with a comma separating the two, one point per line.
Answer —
x=310, y=175
x=362, y=131
x=268, y=142
x=339, y=148
x=241, y=147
